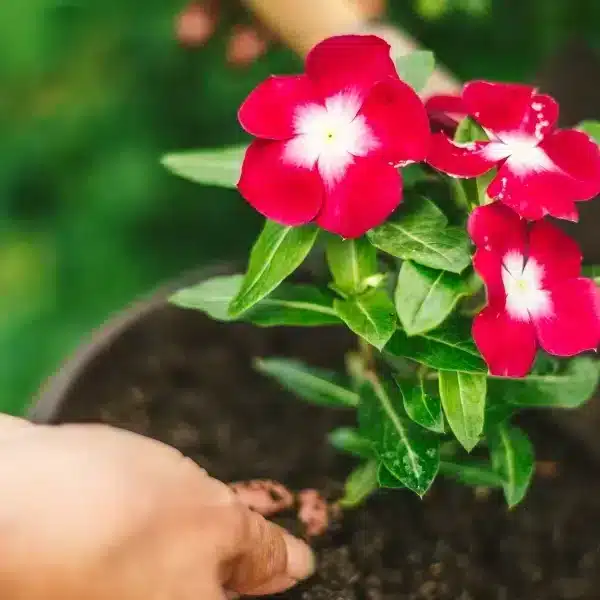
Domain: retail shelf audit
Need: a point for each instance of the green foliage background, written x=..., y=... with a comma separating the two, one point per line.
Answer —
x=92, y=94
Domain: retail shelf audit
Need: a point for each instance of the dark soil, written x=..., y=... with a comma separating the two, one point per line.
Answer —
x=189, y=382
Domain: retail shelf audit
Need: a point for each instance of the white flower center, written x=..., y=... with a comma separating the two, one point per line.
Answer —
x=522, y=153
x=525, y=297
x=330, y=136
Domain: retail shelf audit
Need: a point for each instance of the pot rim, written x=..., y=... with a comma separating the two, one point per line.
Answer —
x=54, y=391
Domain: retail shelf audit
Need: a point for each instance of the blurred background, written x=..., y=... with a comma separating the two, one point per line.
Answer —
x=93, y=93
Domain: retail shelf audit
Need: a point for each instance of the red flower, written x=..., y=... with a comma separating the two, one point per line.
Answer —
x=534, y=290
x=328, y=140
x=541, y=170
x=445, y=112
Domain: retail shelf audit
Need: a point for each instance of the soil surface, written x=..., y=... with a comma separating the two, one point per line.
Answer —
x=188, y=381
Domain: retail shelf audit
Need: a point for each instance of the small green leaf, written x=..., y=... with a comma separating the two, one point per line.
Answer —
x=347, y=439
x=351, y=263
x=419, y=231
x=278, y=252
x=469, y=130
x=291, y=305
x=386, y=479
x=219, y=167
x=568, y=389
x=472, y=472
x=425, y=297
x=423, y=409
x=314, y=385
x=211, y=296
x=592, y=128
x=513, y=459
x=450, y=347
x=361, y=483
x=371, y=316
x=409, y=452
x=415, y=68
x=463, y=399
x=591, y=271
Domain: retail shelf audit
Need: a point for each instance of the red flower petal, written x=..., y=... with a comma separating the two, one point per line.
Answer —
x=540, y=117
x=458, y=160
x=368, y=193
x=398, y=119
x=349, y=62
x=496, y=228
x=534, y=194
x=555, y=251
x=283, y=192
x=508, y=346
x=446, y=103
x=268, y=112
x=488, y=265
x=578, y=156
x=498, y=107
x=574, y=326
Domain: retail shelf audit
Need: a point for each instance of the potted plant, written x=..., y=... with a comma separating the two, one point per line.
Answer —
x=447, y=303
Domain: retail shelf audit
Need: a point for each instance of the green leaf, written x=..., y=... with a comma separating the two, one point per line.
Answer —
x=371, y=316
x=361, y=483
x=513, y=459
x=419, y=232
x=425, y=297
x=411, y=453
x=291, y=305
x=278, y=252
x=592, y=128
x=568, y=389
x=351, y=262
x=591, y=271
x=415, y=68
x=471, y=472
x=469, y=130
x=450, y=347
x=220, y=167
x=349, y=440
x=211, y=296
x=423, y=409
x=314, y=385
x=463, y=399
x=386, y=479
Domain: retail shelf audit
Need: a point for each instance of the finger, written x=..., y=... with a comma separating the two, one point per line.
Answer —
x=268, y=559
x=244, y=46
x=13, y=425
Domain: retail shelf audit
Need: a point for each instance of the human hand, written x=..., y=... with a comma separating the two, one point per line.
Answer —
x=198, y=21
x=88, y=511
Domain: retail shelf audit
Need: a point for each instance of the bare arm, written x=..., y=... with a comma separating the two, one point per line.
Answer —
x=303, y=23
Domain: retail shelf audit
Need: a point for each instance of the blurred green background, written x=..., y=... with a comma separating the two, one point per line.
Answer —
x=92, y=94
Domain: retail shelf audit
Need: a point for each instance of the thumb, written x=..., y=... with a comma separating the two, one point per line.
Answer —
x=267, y=559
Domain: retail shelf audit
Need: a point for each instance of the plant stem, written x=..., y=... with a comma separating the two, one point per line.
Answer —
x=366, y=353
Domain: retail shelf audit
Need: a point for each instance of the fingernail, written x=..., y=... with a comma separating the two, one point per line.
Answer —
x=300, y=558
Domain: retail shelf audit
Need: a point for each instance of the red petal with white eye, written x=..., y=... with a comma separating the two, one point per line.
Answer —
x=533, y=194
x=459, y=160
x=557, y=253
x=281, y=191
x=578, y=157
x=507, y=346
x=365, y=197
x=540, y=118
x=397, y=118
x=349, y=63
x=269, y=111
x=574, y=325
x=500, y=108
x=496, y=228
